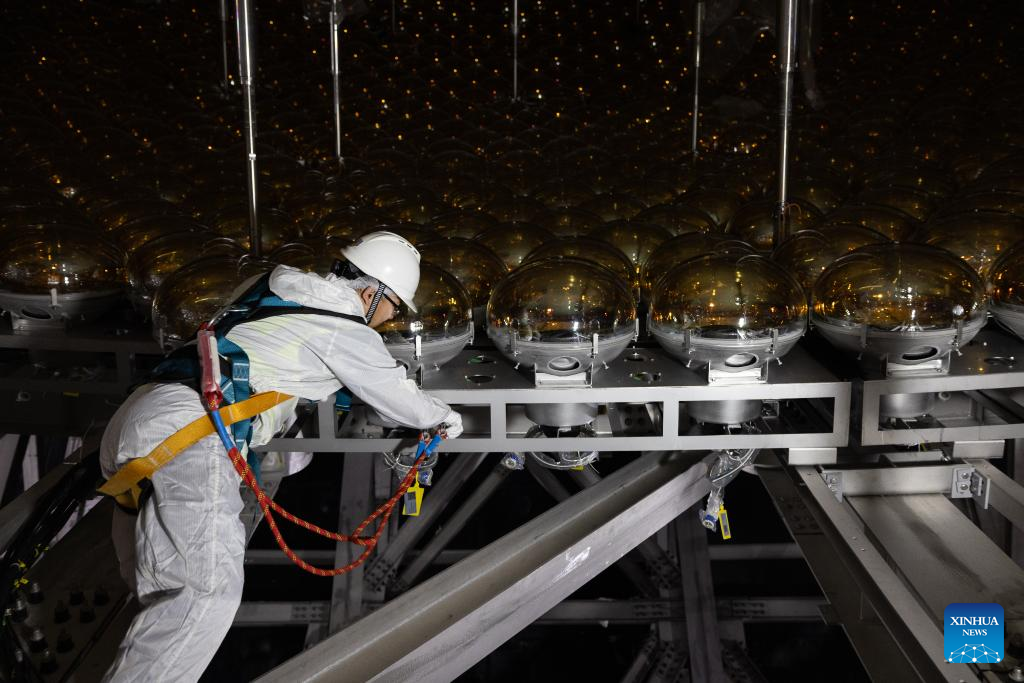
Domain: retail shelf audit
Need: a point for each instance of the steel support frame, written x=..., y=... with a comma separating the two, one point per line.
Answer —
x=983, y=371
x=495, y=408
x=471, y=608
x=856, y=603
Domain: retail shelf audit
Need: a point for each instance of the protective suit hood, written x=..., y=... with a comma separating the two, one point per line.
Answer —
x=315, y=291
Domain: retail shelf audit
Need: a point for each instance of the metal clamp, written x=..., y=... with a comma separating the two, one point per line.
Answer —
x=961, y=486
x=834, y=481
x=980, y=488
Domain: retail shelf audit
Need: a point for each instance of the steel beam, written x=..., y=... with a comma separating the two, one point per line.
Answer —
x=1004, y=494
x=382, y=569
x=452, y=526
x=347, y=589
x=705, y=645
x=470, y=609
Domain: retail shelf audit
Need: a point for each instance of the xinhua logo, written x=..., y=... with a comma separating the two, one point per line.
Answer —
x=973, y=632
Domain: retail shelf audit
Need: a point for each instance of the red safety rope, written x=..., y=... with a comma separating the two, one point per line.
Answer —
x=368, y=542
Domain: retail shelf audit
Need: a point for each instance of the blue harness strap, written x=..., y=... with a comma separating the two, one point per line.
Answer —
x=256, y=303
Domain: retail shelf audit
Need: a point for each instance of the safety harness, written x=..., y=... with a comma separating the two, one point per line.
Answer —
x=182, y=366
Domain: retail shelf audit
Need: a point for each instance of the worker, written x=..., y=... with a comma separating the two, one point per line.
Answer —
x=182, y=553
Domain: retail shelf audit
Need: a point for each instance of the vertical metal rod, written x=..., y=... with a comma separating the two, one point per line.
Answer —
x=698, y=31
x=515, y=50
x=225, y=16
x=246, y=76
x=787, y=53
x=336, y=77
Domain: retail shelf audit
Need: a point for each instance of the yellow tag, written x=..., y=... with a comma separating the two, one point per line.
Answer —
x=723, y=520
x=578, y=468
x=413, y=500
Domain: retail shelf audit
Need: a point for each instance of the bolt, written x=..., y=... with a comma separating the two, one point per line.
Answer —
x=76, y=597
x=35, y=593
x=19, y=612
x=48, y=664
x=1017, y=674
x=964, y=474
x=87, y=615
x=963, y=487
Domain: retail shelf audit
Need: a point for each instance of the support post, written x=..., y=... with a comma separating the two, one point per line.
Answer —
x=699, y=599
x=225, y=16
x=246, y=75
x=515, y=50
x=698, y=31
x=787, y=54
x=335, y=22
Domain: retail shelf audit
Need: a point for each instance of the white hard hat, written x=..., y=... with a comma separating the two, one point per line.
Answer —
x=391, y=259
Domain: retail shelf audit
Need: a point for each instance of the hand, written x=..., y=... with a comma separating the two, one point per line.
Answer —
x=453, y=425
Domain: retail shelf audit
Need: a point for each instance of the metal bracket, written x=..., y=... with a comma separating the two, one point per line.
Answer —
x=961, y=485
x=834, y=482
x=980, y=489
x=593, y=346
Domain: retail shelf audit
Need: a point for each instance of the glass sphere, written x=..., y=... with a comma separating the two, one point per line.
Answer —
x=65, y=258
x=719, y=204
x=135, y=233
x=151, y=263
x=351, y=223
x=899, y=288
x=545, y=315
x=978, y=237
x=568, y=222
x=276, y=227
x=589, y=249
x=726, y=309
x=683, y=248
x=115, y=214
x=754, y=222
x=677, y=218
x=445, y=310
x=890, y=222
x=808, y=252
x=636, y=240
x=476, y=267
x=915, y=203
x=466, y=224
x=513, y=241
x=821, y=193
x=192, y=295
x=1006, y=276
x=611, y=207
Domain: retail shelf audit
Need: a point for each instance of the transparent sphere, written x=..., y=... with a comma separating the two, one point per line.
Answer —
x=192, y=294
x=445, y=310
x=513, y=241
x=562, y=194
x=150, y=264
x=476, y=267
x=465, y=224
x=719, y=204
x=546, y=313
x=683, y=248
x=612, y=207
x=351, y=223
x=899, y=288
x=734, y=297
x=636, y=240
x=311, y=256
x=754, y=222
x=138, y=232
x=58, y=257
x=1006, y=277
x=915, y=203
x=677, y=218
x=568, y=222
x=808, y=252
x=978, y=237
x=589, y=249
x=886, y=220
x=113, y=215
x=276, y=227
x=821, y=193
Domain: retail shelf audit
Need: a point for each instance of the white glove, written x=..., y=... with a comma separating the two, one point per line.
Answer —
x=453, y=425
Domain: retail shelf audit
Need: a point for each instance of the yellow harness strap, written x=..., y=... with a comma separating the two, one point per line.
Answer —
x=124, y=485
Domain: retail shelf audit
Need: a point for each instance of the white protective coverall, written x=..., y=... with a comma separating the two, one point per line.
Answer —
x=188, y=539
